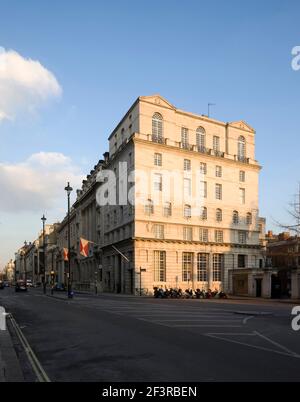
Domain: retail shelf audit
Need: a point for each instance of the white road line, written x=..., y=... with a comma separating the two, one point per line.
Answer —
x=277, y=344
x=246, y=319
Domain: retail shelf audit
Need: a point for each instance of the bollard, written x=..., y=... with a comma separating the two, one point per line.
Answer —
x=2, y=319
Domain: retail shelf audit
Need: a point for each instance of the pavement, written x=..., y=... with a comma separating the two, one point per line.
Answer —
x=10, y=369
x=109, y=337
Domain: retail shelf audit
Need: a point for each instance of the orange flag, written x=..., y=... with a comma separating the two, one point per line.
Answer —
x=66, y=254
x=84, y=247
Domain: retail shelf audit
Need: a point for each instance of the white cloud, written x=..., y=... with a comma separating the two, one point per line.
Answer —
x=25, y=85
x=37, y=183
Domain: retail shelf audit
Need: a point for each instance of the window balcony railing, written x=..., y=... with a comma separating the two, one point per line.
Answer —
x=220, y=154
x=158, y=139
x=185, y=145
x=203, y=149
x=241, y=158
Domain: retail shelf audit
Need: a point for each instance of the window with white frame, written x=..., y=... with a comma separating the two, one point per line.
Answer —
x=219, y=215
x=184, y=137
x=200, y=139
x=157, y=159
x=187, y=266
x=187, y=212
x=187, y=233
x=218, y=191
x=167, y=209
x=159, y=266
x=203, y=189
x=159, y=231
x=249, y=218
x=241, y=148
x=235, y=217
x=218, y=265
x=242, y=196
x=218, y=171
x=242, y=237
x=187, y=165
x=157, y=128
x=242, y=175
x=149, y=207
x=202, y=267
x=203, y=213
x=203, y=235
x=216, y=143
x=157, y=182
x=219, y=236
x=203, y=168
x=187, y=187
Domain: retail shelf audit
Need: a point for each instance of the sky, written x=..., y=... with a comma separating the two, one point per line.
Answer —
x=70, y=70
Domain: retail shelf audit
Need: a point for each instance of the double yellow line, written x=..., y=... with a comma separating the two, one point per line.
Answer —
x=35, y=364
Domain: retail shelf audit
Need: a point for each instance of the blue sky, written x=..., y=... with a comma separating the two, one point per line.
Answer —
x=104, y=54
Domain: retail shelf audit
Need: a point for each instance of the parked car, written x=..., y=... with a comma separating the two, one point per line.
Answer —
x=29, y=283
x=2, y=286
x=21, y=286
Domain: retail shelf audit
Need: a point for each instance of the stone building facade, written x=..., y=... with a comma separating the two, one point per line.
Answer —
x=207, y=239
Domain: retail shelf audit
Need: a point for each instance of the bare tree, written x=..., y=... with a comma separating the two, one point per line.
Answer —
x=294, y=212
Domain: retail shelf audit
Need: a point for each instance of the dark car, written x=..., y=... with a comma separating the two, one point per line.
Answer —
x=2, y=286
x=21, y=286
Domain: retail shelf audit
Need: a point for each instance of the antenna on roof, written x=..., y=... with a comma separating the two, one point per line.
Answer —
x=208, y=108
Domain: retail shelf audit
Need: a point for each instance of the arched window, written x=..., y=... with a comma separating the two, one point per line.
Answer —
x=235, y=217
x=249, y=218
x=241, y=148
x=200, y=139
x=149, y=207
x=203, y=214
x=187, y=211
x=218, y=215
x=157, y=128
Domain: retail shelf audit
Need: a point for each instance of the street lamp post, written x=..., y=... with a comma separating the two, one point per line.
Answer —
x=141, y=270
x=43, y=219
x=70, y=294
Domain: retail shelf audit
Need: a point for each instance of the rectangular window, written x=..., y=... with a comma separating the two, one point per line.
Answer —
x=242, y=196
x=202, y=267
x=187, y=187
x=157, y=159
x=242, y=237
x=187, y=233
x=203, y=235
x=218, y=263
x=203, y=168
x=218, y=171
x=219, y=236
x=187, y=266
x=184, y=137
x=241, y=261
x=187, y=165
x=157, y=182
x=203, y=189
x=159, y=266
x=167, y=209
x=216, y=143
x=159, y=231
x=218, y=191
x=242, y=175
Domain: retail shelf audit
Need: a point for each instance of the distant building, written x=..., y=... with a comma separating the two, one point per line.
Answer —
x=283, y=255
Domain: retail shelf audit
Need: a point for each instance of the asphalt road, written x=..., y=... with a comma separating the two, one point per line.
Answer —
x=119, y=338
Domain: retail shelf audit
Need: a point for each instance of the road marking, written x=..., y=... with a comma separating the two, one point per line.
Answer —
x=286, y=352
x=35, y=364
x=277, y=344
x=246, y=319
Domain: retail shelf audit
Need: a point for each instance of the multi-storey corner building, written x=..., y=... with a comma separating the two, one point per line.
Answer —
x=195, y=220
